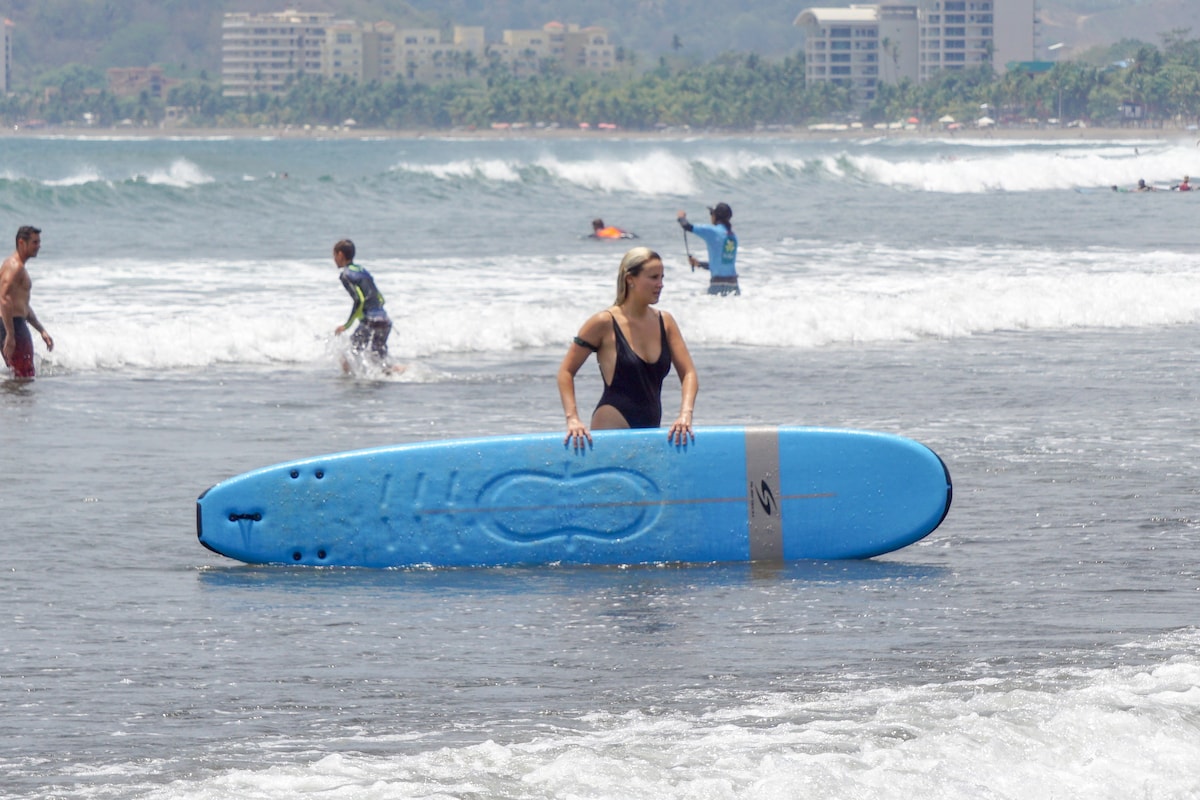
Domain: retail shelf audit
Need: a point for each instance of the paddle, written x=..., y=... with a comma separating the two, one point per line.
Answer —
x=688, y=250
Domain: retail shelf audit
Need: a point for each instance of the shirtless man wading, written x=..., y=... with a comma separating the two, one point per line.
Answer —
x=16, y=344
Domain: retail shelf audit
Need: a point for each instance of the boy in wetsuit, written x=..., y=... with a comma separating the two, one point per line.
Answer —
x=16, y=312
x=374, y=325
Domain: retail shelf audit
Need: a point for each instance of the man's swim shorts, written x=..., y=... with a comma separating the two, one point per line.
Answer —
x=22, y=357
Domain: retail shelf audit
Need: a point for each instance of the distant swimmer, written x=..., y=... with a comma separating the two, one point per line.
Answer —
x=602, y=231
x=722, y=245
x=1143, y=187
x=374, y=325
x=1183, y=185
x=15, y=287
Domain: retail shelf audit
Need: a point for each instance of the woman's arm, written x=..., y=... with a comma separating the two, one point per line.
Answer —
x=591, y=338
x=689, y=383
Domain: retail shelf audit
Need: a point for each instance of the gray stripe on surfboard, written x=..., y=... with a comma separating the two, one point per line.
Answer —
x=763, y=506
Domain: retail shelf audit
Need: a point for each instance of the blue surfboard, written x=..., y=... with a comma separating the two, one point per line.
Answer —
x=734, y=494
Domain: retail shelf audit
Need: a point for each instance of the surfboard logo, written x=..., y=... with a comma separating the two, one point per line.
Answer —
x=764, y=496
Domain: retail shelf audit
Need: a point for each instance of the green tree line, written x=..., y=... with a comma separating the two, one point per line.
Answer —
x=733, y=92
x=1164, y=83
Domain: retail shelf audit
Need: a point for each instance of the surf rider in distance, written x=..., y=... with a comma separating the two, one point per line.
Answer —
x=635, y=347
x=722, y=245
x=374, y=325
x=1142, y=186
x=602, y=231
x=15, y=310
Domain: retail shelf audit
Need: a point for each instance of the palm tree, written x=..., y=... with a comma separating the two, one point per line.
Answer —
x=892, y=48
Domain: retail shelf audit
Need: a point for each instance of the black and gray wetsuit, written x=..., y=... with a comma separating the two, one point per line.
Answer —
x=374, y=323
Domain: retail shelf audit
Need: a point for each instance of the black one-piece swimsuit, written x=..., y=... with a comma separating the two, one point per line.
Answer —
x=636, y=388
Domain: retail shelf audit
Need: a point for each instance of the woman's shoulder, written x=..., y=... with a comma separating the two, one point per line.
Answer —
x=600, y=319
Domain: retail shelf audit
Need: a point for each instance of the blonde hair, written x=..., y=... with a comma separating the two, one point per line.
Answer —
x=631, y=267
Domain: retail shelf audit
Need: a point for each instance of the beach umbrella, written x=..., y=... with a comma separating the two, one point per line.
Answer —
x=983, y=122
x=913, y=121
x=946, y=120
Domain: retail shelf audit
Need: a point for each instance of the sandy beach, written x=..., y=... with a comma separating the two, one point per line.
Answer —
x=1166, y=133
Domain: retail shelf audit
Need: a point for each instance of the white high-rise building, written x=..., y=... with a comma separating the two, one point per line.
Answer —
x=575, y=49
x=865, y=45
x=342, y=51
x=960, y=34
x=261, y=52
x=860, y=46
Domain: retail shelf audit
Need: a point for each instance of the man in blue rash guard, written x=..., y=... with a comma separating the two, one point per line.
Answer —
x=374, y=326
x=722, y=245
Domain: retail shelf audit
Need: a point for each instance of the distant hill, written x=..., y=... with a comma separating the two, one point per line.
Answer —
x=1081, y=24
x=183, y=36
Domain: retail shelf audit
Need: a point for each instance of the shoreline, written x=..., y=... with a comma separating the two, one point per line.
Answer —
x=668, y=134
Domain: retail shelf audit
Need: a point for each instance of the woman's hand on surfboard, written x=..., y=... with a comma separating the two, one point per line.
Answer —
x=681, y=430
x=578, y=435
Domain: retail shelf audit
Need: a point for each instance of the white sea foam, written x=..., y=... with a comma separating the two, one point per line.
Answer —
x=83, y=176
x=180, y=173
x=1023, y=170
x=968, y=169
x=655, y=173
x=736, y=165
x=487, y=169
x=189, y=314
x=1100, y=734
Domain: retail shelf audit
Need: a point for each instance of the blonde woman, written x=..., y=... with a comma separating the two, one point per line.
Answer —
x=635, y=347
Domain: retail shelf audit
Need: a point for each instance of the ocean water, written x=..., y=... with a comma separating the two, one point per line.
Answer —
x=993, y=299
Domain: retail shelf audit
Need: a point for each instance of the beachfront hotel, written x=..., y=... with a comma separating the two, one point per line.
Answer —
x=865, y=45
x=576, y=49
x=262, y=53
x=381, y=51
